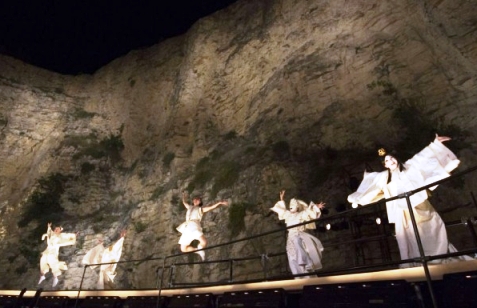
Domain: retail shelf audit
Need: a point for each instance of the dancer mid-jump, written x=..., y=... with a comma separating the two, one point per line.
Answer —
x=49, y=257
x=191, y=229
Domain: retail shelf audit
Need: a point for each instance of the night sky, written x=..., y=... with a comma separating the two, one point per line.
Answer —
x=80, y=36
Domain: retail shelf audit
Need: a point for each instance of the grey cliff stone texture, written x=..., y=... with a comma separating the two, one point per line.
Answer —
x=262, y=96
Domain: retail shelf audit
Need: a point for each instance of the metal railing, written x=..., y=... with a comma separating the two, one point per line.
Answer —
x=422, y=259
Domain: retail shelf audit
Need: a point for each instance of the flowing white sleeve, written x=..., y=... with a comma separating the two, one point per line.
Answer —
x=370, y=190
x=313, y=210
x=67, y=239
x=310, y=212
x=94, y=255
x=112, y=254
x=281, y=209
x=434, y=162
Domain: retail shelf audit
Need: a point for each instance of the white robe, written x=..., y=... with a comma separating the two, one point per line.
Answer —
x=303, y=249
x=49, y=257
x=191, y=228
x=433, y=163
x=99, y=254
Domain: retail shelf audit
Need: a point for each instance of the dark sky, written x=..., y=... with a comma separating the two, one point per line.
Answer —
x=80, y=36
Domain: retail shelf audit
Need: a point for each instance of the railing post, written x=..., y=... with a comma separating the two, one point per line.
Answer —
x=470, y=225
x=421, y=249
x=473, y=199
x=231, y=270
x=160, y=285
x=265, y=266
x=171, y=275
x=81, y=285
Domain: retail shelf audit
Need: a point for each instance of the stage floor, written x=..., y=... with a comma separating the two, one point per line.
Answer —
x=409, y=274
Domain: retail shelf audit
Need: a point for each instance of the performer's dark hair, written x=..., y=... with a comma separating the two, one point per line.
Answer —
x=393, y=153
x=200, y=198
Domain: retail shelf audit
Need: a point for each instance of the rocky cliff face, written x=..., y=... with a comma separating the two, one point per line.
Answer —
x=262, y=96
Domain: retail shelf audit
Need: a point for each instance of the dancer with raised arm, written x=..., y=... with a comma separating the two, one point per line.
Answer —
x=49, y=257
x=191, y=229
x=433, y=163
x=303, y=249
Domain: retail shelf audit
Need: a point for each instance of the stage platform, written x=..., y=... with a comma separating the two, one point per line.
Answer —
x=415, y=274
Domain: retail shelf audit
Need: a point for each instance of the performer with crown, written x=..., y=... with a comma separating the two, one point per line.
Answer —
x=303, y=249
x=433, y=163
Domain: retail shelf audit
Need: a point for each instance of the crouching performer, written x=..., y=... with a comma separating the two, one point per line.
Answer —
x=303, y=249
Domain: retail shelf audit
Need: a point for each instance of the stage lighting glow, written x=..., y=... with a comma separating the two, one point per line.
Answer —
x=378, y=221
x=328, y=226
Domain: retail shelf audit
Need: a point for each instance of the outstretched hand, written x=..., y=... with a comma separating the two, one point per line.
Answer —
x=321, y=205
x=442, y=138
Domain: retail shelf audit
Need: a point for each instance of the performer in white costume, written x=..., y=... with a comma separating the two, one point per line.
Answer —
x=99, y=254
x=191, y=229
x=433, y=163
x=303, y=249
x=49, y=258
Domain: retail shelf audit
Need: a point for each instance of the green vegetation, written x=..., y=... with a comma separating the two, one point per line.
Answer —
x=21, y=269
x=420, y=129
x=386, y=86
x=224, y=174
x=227, y=173
x=203, y=163
x=230, y=135
x=177, y=203
x=3, y=120
x=87, y=168
x=281, y=149
x=110, y=147
x=44, y=203
x=140, y=227
x=132, y=82
x=32, y=255
x=80, y=113
x=43, y=206
x=250, y=150
x=237, y=214
x=74, y=199
x=200, y=178
x=168, y=158
x=156, y=193
x=215, y=155
x=79, y=242
x=52, y=90
x=318, y=173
